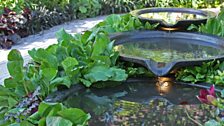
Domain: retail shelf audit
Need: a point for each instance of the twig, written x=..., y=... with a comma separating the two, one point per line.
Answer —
x=199, y=124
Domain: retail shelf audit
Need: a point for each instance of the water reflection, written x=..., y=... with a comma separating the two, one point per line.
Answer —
x=164, y=85
x=140, y=103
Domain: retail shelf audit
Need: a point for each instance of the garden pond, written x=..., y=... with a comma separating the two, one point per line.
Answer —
x=138, y=102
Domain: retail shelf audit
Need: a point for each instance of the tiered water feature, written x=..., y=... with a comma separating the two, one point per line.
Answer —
x=150, y=101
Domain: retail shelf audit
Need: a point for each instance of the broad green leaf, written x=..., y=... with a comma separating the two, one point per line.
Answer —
x=86, y=82
x=49, y=73
x=61, y=53
x=61, y=81
x=49, y=109
x=10, y=83
x=52, y=48
x=100, y=44
x=15, y=65
x=76, y=116
x=15, y=55
x=57, y=121
x=26, y=123
x=11, y=102
x=104, y=73
x=119, y=74
x=113, y=20
x=82, y=9
x=45, y=58
x=103, y=59
x=212, y=123
x=62, y=35
x=189, y=78
x=99, y=73
x=69, y=63
x=6, y=92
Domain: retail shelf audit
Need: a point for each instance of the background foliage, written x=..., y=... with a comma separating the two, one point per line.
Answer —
x=43, y=14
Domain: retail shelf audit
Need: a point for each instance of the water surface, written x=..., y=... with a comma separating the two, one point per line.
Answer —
x=167, y=50
x=140, y=103
x=172, y=17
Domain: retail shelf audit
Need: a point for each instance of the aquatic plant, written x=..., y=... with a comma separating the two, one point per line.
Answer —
x=207, y=96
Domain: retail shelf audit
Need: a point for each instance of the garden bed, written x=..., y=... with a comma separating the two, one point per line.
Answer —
x=31, y=17
x=87, y=59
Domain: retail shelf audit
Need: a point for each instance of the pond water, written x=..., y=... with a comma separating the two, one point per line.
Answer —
x=167, y=50
x=172, y=17
x=142, y=102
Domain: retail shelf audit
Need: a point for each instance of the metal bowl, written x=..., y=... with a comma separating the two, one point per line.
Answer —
x=180, y=24
x=161, y=51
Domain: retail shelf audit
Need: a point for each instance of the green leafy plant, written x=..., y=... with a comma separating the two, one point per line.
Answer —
x=189, y=3
x=117, y=23
x=213, y=25
x=10, y=22
x=14, y=5
x=80, y=59
x=43, y=18
x=86, y=8
x=211, y=72
x=50, y=5
x=124, y=6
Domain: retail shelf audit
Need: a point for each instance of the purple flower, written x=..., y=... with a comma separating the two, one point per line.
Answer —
x=207, y=96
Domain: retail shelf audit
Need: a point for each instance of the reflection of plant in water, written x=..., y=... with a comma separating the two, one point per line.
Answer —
x=159, y=113
x=92, y=103
x=150, y=51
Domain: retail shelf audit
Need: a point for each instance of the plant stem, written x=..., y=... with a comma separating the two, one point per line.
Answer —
x=199, y=124
x=26, y=90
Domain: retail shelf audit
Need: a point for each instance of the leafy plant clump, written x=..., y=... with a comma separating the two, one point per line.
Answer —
x=10, y=23
x=213, y=25
x=86, y=8
x=116, y=23
x=80, y=59
x=189, y=3
x=211, y=72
